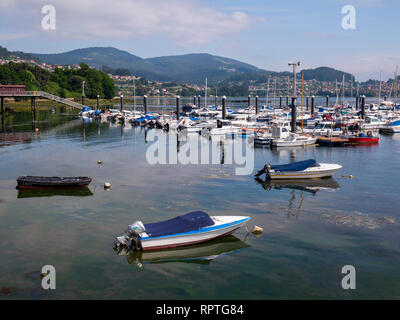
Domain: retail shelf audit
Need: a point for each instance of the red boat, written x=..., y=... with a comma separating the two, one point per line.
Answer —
x=364, y=139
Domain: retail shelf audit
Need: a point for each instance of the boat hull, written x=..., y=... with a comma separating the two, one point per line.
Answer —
x=193, y=237
x=35, y=182
x=311, y=173
x=364, y=140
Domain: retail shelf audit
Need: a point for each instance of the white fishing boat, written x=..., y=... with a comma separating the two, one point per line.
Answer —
x=293, y=140
x=191, y=228
x=266, y=138
x=307, y=169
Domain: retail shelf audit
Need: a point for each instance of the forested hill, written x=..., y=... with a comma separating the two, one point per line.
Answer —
x=64, y=83
x=326, y=74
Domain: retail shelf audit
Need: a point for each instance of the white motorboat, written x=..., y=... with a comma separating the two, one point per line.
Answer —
x=393, y=127
x=191, y=228
x=307, y=169
x=223, y=127
x=275, y=133
x=371, y=123
x=293, y=140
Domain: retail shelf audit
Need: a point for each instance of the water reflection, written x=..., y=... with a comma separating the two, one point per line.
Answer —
x=33, y=193
x=201, y=253
x=309, y=185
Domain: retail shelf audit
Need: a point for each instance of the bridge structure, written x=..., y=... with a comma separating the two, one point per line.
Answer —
x=37, y=94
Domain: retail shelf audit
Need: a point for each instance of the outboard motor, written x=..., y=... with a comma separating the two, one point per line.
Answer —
x=130, y=240
x=265, y=170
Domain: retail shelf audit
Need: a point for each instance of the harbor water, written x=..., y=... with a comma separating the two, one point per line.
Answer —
x=311, y=229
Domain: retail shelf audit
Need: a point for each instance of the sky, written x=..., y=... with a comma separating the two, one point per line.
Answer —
x=264, y=33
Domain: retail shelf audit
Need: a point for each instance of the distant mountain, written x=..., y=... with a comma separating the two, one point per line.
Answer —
x=197, y=66
x=192, y=68
x=326, y=74
x=5, y=54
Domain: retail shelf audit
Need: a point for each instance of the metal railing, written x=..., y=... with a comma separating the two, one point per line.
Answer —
x=43, y=94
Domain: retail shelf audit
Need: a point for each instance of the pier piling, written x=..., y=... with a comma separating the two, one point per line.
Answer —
x=145, y=104
x=362, y=107
x=327, y=101
x=248, y=101
x=287, y=101
x=294, y=114
x=357, y=101
x=121, y=102
x=198, y=101
x=33, y=106
x=216, y=102
x=224, y=107
x=194, y=100
x=256, y=104
x=98, y=102
x=307, y=103
x=177, y=107
x=312, y=105
x=280, y=102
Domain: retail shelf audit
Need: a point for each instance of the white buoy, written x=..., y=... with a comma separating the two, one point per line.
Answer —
x=107, y=185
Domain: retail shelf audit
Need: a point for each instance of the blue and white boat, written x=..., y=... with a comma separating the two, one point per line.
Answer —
x=307, y=169
x=191, y=228
x=393, y=127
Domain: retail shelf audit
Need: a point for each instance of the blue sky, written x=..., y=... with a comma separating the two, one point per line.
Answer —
x=264, y=33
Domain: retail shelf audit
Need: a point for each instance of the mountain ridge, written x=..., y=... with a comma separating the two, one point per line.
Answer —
x=188, y=68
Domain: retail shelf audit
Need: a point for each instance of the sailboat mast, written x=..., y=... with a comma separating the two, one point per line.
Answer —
x=343, y=91
x=205, y=96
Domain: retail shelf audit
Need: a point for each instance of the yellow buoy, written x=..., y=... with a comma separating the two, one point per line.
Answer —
x=99, y=162
x=257, y=230
x=351, y=176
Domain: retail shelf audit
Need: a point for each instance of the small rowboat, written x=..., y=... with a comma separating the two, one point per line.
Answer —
x=29, y=182
x=191, y=228
x=307, y=169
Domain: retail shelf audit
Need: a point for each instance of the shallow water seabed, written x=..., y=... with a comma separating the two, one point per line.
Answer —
x=310, y=230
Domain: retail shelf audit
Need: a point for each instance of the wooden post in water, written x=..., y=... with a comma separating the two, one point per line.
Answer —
x=287, y=101
x=384, y=98
x=194, y=100
x=198, y=101
x=294, y=114
x=122, y=102
x=98, y=103
x=177, y=107
x=2, y=105
x=33, y=106
x=307, y=102
x=248, y=101
x=357, y=101
x=256, y=104
x=327, y=101
x=145, y=104
x=280, y=102
x=362, y=107
x=312, y=105
x=224, y=107
x=216, y=102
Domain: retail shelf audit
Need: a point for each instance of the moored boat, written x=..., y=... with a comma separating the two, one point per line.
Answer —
x=191, y=228
x=307, y=169
x=29, y=182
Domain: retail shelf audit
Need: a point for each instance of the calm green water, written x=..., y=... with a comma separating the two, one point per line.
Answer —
x=309, y=234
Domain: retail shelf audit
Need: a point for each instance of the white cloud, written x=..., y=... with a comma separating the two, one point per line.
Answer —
x=187, y=22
